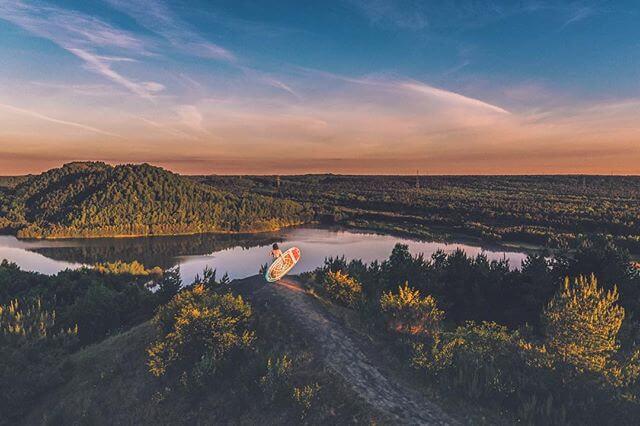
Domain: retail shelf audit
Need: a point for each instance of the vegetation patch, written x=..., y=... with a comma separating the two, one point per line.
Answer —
x=96, y=200
x=546, y=344
x=199, y=331
x=342, y=288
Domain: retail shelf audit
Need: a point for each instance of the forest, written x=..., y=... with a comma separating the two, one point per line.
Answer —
x=95, y=199
x=547, y=211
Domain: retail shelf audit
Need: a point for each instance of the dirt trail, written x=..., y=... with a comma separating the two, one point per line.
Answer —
x=345, y=353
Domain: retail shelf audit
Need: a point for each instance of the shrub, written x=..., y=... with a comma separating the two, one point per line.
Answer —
x=275, y=382
x=31, y=349
x=486, y=362
x=582, y=324
x=409, y=313
x=198, y=331
x=342, y=289
x=26, y=325
x=305, y=397
x=99, y=304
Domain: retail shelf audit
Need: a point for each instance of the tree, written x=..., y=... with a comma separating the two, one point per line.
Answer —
x=582, y=323
x=169, y=285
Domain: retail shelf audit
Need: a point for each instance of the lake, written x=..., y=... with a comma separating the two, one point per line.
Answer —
x=238, y=255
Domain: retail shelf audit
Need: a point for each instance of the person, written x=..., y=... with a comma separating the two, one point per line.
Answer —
x=276, y=252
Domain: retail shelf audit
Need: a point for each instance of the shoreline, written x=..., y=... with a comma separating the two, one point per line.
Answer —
x=178, y=234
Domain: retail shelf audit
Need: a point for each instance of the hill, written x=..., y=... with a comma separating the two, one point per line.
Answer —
x=93, y=199
x=109, y=382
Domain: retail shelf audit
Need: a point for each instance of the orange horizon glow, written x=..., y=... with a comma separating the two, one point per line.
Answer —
x=199, y=92
x=400, y=128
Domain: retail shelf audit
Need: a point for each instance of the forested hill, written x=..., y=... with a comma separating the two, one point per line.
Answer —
x=92, y=199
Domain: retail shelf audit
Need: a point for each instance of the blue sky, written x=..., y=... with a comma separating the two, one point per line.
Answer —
x=354, y=86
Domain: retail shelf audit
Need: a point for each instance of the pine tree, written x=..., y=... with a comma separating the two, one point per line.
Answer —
x=582, y=323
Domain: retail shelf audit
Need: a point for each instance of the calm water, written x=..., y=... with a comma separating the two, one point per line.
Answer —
x=239, y=255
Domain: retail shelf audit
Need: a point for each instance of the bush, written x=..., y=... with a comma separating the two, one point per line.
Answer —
x=582, y=324
x=198, y=331
x=98, y=303
x=342, y=289
x=305, y=396
x=486, y=362
x=275, y=383
x=409, y=313
x=31, y=350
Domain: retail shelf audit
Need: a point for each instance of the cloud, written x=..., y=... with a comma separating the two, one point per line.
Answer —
x=66, y=27
x=406, y=85
x=450, y=96
x=409, y=14
x=158, y=17
x=436, y=15
x=269, y=80
x=164, y=128
x=102, y=66
x=578, y=14
x=190, y=117
x=81, y=35
x=39, y=116
x=418, y=15
x=65, y=89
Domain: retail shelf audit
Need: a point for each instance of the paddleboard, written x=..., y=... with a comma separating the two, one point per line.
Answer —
x=282, y=265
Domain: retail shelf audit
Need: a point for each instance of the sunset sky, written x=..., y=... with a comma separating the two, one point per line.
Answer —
x=351, y=86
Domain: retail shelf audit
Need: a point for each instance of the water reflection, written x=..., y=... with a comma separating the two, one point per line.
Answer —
x=239, y=255
x=151, y=251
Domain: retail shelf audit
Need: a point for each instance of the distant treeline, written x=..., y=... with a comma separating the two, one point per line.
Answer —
x=95, y=200
x=553, y=211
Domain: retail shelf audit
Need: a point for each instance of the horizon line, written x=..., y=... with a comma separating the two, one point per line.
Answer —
x=113, y=164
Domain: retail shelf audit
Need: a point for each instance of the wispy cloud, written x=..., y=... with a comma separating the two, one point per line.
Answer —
x=190, y=117
x=82, y=36
x=449, y=96
x=101, y=65
x=158, y=17
x=269, y=80
x=164, y=128
x=578, y=14
x=93, y=90
x=461, y=14
x=64, y=26
x=43, y=117
x=407, y=14
x=407, y=85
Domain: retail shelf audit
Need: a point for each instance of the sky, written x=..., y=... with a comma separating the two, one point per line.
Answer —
x=345, y=86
